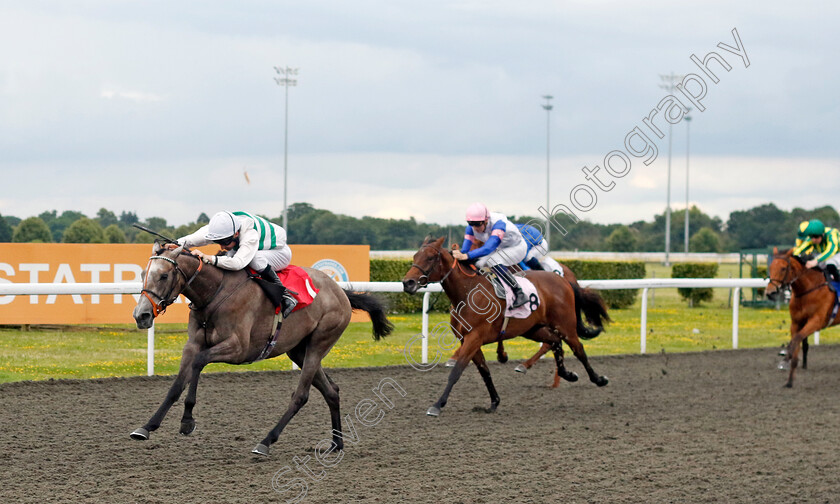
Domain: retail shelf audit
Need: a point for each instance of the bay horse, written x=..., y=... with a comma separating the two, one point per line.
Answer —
x=231, y=321
x=583, y=332
x=553, y=321
x=811, y=302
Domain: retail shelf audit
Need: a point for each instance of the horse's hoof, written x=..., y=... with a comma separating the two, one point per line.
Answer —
x=521, y=369
x=573, y=377
x=433, y=411
x=140, y=434
x=260, y=449
x=602, y=381
x=789, y=385
x=450, y=363
x=187, y=427
x=502, y=358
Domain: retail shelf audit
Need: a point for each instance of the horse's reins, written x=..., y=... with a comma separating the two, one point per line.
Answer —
x=168, y=298
x=780, y=284
x=438, y=259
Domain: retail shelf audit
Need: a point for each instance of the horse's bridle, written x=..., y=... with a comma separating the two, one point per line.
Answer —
x=781, y=284
x=426, y=272
x=169, y=298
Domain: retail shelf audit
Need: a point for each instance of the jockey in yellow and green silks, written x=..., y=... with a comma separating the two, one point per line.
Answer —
x=825, y=242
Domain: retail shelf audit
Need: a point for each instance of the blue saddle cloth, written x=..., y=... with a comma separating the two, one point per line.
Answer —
x=835, y=286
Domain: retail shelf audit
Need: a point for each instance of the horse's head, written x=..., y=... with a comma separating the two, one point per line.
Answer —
x=427, y=266
x=163, y=280
x=783, y=271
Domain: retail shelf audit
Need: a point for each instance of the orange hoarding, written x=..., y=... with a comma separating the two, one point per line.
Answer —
x=106, y=263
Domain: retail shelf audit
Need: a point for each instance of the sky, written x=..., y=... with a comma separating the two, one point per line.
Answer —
x=414, y=109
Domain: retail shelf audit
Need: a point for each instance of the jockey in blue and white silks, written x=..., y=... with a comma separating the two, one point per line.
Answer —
x=537, y=246
x=503, y=245
x=248, y=240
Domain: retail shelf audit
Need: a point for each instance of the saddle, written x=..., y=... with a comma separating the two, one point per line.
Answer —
x=834, y=286
x=504, y=292
x=298, y=284
x=296, y=281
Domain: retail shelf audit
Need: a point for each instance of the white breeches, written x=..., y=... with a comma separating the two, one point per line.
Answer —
x=278, y=258
x=507, y=256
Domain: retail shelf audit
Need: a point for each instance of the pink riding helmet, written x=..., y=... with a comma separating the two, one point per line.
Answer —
x=477, y=212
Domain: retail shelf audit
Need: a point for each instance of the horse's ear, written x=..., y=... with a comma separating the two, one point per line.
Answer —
x=157, y=248
x=439, y=242
x=178, y=251
x=775, y=250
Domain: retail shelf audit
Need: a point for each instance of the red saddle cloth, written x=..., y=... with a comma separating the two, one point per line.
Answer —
x=297, y=279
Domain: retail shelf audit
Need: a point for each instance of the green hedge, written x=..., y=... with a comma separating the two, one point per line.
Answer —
x=393, y=270
x=609, y=270
x=695, y=270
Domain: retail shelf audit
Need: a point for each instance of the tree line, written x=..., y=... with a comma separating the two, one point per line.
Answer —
x=756, y=227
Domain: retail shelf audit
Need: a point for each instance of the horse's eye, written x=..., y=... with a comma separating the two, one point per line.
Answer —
x=164, y=276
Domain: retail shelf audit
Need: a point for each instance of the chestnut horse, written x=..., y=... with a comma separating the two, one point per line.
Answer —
x=231, y=321
x=810, y=305
x=553, y=321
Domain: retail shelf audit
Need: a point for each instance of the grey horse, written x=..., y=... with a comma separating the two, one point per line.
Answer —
x=231, y=321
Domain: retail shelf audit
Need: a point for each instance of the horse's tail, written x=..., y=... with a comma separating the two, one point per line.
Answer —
x=375, y=308
x=592, y=305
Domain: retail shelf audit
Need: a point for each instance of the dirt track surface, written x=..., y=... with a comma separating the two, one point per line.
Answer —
x=703, y=427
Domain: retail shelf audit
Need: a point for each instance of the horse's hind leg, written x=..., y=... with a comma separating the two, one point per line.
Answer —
x=184, y=376
x=501, y=355
x=309, y=368
x=525, y=366
x=561, y=371
x=574, y=343
x=805, y=353
x=329, y=389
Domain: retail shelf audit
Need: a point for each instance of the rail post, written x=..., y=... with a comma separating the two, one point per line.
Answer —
x=425, y=356
x=643, y=335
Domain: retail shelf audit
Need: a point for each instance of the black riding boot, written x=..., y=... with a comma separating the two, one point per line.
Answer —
x=832, y=270
x=503, y=273
x=534, y=264
x=289, y=302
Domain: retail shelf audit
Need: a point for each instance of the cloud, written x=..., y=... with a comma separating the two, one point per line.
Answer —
x=136, y=96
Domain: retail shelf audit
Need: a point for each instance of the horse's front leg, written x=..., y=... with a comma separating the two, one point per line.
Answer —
x=184, y=377
x=228, y=350
x=796, y=339
x=481, y=365
x=472, y=342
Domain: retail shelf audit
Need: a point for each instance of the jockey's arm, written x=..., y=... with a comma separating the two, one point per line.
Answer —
x=469, y=239
x=802, y=247
x=831, y=246
x=196, y=239
x=492, y=243
x=248, y=245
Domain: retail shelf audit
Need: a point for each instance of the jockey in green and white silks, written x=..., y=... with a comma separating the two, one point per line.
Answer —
x=248, y=240
x=825, y=241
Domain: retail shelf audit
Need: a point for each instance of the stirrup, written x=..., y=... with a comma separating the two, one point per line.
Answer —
x=289, y=303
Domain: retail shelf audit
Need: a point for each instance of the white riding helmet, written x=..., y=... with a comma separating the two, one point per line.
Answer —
x=222, y=225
